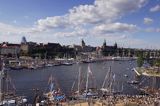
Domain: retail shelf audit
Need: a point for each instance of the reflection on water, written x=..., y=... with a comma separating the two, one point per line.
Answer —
x=27, y=80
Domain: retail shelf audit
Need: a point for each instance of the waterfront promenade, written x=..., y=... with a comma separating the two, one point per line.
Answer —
x=117, y=100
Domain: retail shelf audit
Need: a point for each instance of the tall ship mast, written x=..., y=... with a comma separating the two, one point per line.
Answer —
x=108, y=86
x=7, y=97
x=1, y=82
x=87, y=89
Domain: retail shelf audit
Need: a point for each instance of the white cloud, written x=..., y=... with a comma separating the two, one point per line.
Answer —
x=53, y=22
x=148, y=21
x=9, y=29
x=77, y=32
x=155, y=8
x=151, y=29
x=10, y=33
x=102, y=11
x=115, y=28
x=96, y=20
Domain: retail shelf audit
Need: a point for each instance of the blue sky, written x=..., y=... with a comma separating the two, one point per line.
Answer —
x=130, y=23
x=33, y=10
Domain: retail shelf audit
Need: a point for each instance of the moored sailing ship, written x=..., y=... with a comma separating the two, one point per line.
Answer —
x=87, y=91
x=54, y=95
x=7, y=96
x=108, y=88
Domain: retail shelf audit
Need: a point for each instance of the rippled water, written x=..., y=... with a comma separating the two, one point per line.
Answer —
x=27, y=80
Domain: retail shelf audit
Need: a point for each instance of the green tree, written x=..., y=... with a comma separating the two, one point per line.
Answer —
x=157, y=63
x=147, y=57
x=140, y=60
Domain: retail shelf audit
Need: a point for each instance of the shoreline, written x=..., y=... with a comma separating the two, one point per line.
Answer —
x=41, y=63
x=150, y=75
x=119, y=100
x=143, y=71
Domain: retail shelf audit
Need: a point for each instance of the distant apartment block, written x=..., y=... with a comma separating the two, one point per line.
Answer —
x=10, y=50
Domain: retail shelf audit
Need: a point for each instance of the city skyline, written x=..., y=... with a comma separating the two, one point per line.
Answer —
x=130, y=23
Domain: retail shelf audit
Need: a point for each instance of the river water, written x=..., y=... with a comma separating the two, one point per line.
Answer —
x=25, y=81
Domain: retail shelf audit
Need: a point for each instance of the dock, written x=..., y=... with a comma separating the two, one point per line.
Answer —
x=136, y=72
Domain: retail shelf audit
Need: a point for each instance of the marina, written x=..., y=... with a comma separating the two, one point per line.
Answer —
x=79, y=53
x=87, y=80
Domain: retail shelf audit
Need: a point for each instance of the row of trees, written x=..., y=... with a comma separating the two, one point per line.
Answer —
x=147, y=59
x=51, y=52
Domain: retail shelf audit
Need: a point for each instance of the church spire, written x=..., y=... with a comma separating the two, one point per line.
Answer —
x=115, y=45
x=104, y=43
x=83, y=43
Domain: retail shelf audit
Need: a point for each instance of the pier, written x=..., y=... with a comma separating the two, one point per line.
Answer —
x=136, y=72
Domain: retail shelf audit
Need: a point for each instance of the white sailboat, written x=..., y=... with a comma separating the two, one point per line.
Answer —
x=87, y=91
x=76, y=94
x=108, y=88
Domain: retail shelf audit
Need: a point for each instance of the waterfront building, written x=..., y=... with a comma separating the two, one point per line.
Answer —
x=104, y=44
x=9, y=50
x=1, y=80
x=24, y=49
x=77, y=48
x=83, y=48
x=24, y=46
x=53, y=46
x=109, y=50
x=27, y=48
x=84, y=51
x=98, y=52
x=53, y=49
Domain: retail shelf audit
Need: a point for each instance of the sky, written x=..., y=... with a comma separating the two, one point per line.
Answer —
x=130, y=23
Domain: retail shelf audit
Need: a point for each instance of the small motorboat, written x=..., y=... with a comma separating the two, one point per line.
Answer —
x=125, y=75
x=67, y=63
x=133, y=82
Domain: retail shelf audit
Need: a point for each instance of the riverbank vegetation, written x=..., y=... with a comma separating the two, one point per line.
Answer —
x=151, y=70
x=148, y=66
